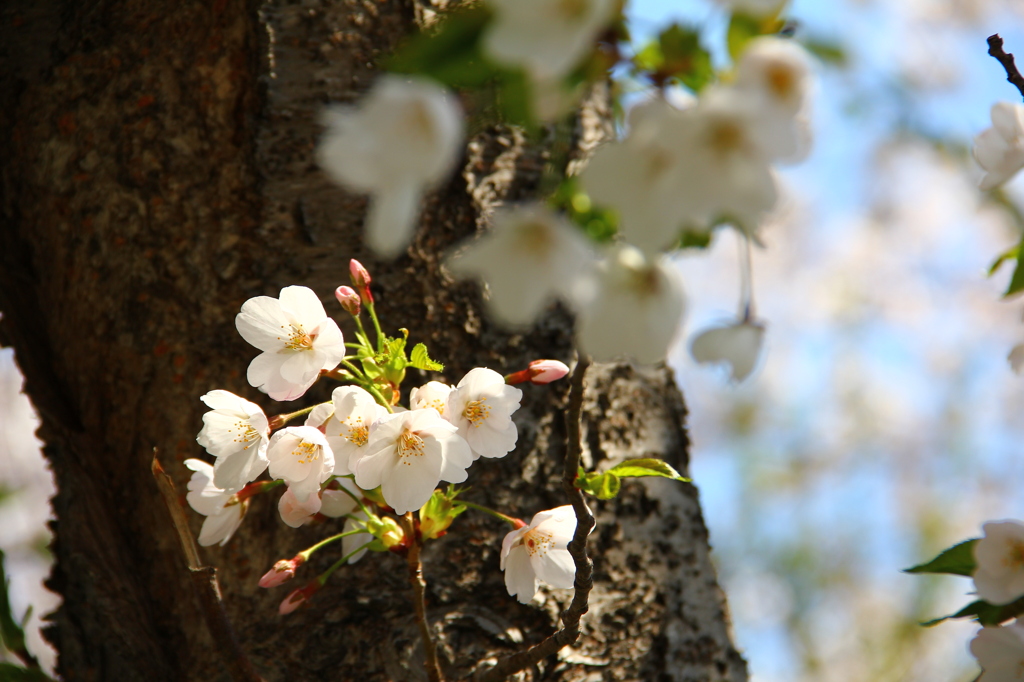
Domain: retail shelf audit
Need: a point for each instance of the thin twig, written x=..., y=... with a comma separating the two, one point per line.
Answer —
x=204, y=581
x=419, y=600
x=995, y=48
x=570, y=631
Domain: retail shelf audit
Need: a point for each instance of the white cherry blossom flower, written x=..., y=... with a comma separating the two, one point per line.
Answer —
x=409, y=453
x=545, y=37
x=403, y=137
x=999, y=150
x=725, y=171
x=346, y=422
x=236, y=432
x=999, y=576
x=296, y=513
x=338, y=502
x=530, y=257
x=481, y=406
x=222, y=518
x=777, y=74
x=301, y=456
x=738, y=345
x=1000, y=652
x=540, y=551
x=634, y=308
x=296, y=337
x=431, y=394
x=639, y=177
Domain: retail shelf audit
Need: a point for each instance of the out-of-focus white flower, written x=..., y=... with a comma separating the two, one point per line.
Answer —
x=634, y=308
x=402, y=138
x=481, y=406
x=338, y=502
x=777, y=74
x=296, y=337
x=725, y=171
x=408, y=454
x=639, y=176
x=1016, y=358
x=431, y=394
x=540, y=551
x=346, y=422
x=222, y=519
x=296, y=513
x=738, y=345
x=301, y=456
x=530, y=257
x=999, y=150
x=999, y=556
x=349, y=543
x=236, y=432
x=545, y=37
x=1000, y=652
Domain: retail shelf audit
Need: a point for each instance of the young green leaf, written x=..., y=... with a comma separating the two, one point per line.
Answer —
x=421, y=360
x=957, y=560
x=605, y=486
x=636, y=468
x=984, y=613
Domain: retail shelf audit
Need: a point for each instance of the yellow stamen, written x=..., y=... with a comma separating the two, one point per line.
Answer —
x=307, y=452
x=409, y=445
x=476, y=411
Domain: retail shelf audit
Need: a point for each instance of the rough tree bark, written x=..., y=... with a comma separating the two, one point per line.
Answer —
x=157, y=172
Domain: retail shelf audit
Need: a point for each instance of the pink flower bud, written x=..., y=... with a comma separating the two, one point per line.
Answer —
x=282, y=572
x=349, y=299
x=298, y=598
x=546, y=371
x=360, y=280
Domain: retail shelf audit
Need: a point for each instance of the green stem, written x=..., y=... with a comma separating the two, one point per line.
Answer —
x=515, y=523
x=358, y=500
x=376, y=327
x=285, y=418
x=322, y=578
x=362, y=329
x=306, y=553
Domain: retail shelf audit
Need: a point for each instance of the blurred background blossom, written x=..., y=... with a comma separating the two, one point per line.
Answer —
x=884, y=422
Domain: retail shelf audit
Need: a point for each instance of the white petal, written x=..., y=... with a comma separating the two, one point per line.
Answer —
x=304, y=306
x=262, y=322
x=519, y=577
x=391, y=219
x=556, y=568
x=738, y=345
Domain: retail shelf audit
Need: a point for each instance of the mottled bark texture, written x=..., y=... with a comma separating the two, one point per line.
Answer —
x=157, y=172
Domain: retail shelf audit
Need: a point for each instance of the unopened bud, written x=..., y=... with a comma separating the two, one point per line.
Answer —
x=298, y=598
x=349, y=300
x=360, y=280
x=391, y=534
x=546, y=371
x=282, y=572
x=539, y=372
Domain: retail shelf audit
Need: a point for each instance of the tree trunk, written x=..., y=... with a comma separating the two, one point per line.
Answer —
x=157, y=173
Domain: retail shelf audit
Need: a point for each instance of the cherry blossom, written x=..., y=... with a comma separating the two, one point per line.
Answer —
x=481, y=406
x=236, y=432
x=346, y=422
x=222, y=517
x=296, y=513
x=408, y=454
x=1000, y=652
x=639, y=177
x=431, y=394
x=337, y=503
x=296, y=337
x=777, y=74
x=540, y=552
x=301, y=456
x=999, y=150
x=545, y=37
x=999, y=555
x=404, y=136
x=634, y=308
x=530, y=257
x=738, y=345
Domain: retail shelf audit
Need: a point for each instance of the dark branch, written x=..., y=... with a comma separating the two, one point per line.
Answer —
x=995, y=48
x=570, y=631
x=419, y=587
x=204, y=580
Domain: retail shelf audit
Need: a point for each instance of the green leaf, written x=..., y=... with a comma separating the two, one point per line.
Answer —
x=449, y=54
x=984, y=613
x=1017, y=281
x=605, y=486
x=676, y=54
x=637, y=468
x=743, y=28
x=14, y=673
x=421, y=360
x=1009, y=254
x=825, y=50
x=957, y=560
x=694, y=239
